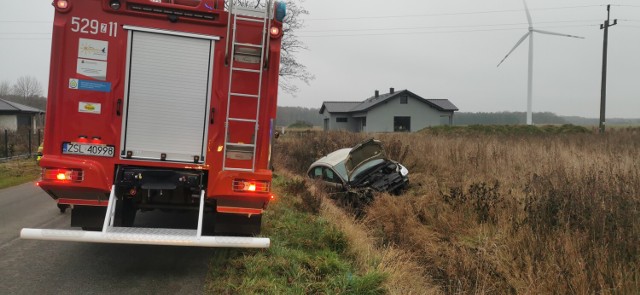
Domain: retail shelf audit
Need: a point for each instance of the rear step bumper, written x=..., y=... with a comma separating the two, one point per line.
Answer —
x=145, y=236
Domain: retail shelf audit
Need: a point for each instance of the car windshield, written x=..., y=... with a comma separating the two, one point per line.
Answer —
x=366, y=166
x=341, y=169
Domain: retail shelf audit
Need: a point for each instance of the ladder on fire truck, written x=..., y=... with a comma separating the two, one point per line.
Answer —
x=245, y=62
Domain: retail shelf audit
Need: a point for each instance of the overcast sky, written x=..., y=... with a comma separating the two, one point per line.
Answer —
x=437, y=49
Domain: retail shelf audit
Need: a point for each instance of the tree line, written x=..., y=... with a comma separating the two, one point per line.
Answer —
x=299, y=115
x=27, y=90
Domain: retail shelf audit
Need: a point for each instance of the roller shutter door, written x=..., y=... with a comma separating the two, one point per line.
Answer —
x=167, y=97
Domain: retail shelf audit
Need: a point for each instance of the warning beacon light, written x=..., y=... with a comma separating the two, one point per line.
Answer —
x=281, y=11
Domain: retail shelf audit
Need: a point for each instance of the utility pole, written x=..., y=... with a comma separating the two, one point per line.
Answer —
x=603, y=90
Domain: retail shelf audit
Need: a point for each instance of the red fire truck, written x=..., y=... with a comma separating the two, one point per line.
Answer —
x=161, y=104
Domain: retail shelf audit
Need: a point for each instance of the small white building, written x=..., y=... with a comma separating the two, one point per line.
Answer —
x=396, y=111
x=14, y=116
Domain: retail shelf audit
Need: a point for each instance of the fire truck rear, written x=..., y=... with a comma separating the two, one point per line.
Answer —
x=161, y=104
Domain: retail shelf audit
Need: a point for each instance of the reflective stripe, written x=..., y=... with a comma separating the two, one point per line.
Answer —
x=102, y=203
x=223, y=209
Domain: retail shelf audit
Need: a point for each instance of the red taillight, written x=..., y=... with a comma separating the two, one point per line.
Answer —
x=242, y=185
x=83, y=139
x=62, y=174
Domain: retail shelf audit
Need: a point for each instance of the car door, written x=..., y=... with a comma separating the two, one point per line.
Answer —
x=328, y=176
x=332, y=179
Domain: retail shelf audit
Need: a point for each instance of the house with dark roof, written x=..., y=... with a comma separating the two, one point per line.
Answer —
x=396, y=111
x=14, y=115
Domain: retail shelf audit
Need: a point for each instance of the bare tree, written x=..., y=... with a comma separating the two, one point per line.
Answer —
x=27, y=86
x=290, y=67
x=5, y=88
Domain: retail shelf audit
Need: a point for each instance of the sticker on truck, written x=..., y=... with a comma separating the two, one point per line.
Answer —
x=92, y=68
x=89, y=107
x=98, y=86
x=93, y=49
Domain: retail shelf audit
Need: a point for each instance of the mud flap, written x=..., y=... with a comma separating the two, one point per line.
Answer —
x=237, y=224
x=88, y=217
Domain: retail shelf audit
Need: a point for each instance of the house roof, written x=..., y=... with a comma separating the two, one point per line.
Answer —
x=443, y=104
x=9, y=106
x=338, y=106
x=352, y=106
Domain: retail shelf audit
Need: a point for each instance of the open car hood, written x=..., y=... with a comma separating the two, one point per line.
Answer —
x=365, y=151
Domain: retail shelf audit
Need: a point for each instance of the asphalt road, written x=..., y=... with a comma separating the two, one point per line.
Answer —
x=50, y=267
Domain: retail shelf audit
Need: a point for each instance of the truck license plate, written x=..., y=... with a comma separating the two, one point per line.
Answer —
x=88, y=149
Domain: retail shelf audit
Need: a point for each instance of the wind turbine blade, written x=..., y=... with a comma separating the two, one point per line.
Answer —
x=526, y=9
x=514, y=47
x=556, y=34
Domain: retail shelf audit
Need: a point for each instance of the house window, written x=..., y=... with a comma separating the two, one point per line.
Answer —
x=404, y=100
x=402, y=124
x=342, y=120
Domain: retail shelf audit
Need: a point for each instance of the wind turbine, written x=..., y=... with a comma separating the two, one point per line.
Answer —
x=530, y=78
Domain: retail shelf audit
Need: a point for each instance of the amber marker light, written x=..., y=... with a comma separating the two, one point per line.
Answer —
x=275, y=32
x=62, y=4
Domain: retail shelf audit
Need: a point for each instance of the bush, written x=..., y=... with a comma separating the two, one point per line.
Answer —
x=301, y=125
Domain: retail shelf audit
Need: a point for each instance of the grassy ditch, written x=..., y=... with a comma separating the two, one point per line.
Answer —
x=18, y=171
x=505, y=213
x=308, y=254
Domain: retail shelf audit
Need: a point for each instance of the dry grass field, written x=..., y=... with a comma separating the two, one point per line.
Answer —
x=507, y=212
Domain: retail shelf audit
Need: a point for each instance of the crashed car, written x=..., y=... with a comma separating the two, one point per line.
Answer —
x=364, y=166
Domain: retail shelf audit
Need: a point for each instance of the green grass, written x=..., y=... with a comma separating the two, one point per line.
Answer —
x=19, y=171
x=307, y=256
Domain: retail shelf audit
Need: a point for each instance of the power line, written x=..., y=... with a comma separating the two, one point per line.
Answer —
x=3, y=38
x=25, y=33
x=26, y=21
x=446, y=14
x=435, y=32
x=439, y=27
